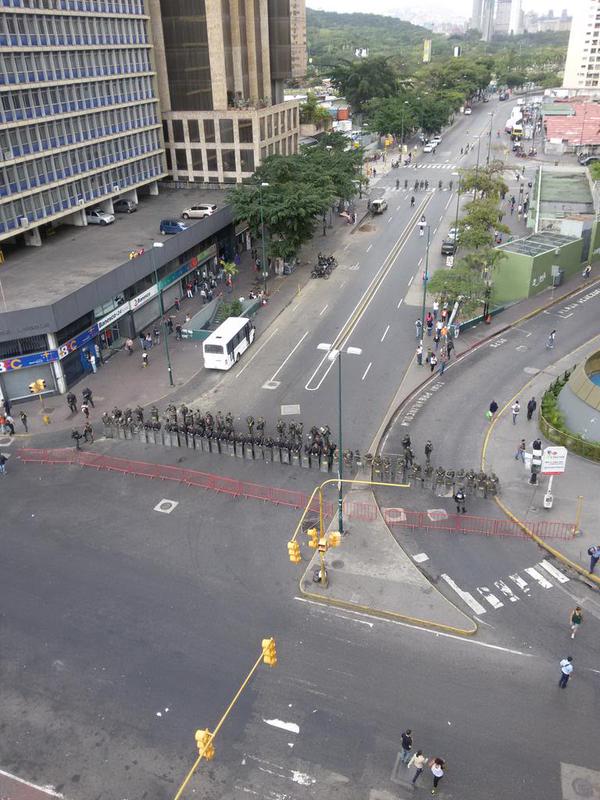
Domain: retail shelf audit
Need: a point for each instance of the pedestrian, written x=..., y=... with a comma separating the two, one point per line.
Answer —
x=98, y=352
x=429, y=324
x=177, y=304
x=594, y=554
x=531, y=407
x=72, y=402
x=433, y=361
x=515, y=408
x=145, y=359
x=6, y=405
x=87, y=396
x=142, y=337
x=437, y=772
x=178, y=332
x=429, y=354
x=521, y=451
x=550, y=342
x=156, y=334
x=23, y=416
x=3, y=460
x=443, y=362
x=189, y=290
x=586, y=272
x=203, y=295
x=407, y=743
x=575, y=620
x=229, y=284
x=92, y=359
x=460, y=500
x=436, y=308
x=148, y=341
x=492, y=410
x=418, y=762
x=88, y=432
x=170, y=325
x=436, y=339
x=450, y=348
x=418, y=328
x=85, y=410
x=129, y=346
x=10, y=424
x=420, y=354
x=566, y=670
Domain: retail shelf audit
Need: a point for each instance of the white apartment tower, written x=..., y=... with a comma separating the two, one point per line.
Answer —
x=582, y=68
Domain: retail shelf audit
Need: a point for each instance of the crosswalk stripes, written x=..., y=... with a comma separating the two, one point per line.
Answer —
x=432, y=166
x=507, y=593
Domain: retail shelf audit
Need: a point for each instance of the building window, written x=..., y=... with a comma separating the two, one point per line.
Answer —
x=262, y=129
x=181, y=160
x=247, y=160
x=165, y=130
x=194, y=130
x=209, y=130
x=178, y=130
x=169, y=160
x=211, y=160
x=197, y=160
x=226, y=129
x=270, y=127
x=245, y=130
x=228, y=157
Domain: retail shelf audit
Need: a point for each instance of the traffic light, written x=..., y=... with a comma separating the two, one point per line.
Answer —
x=335, y=539
x=313, y=537
x=37, y=386
x=322, y=544
x=205, y=745
x=269, y=652
x=294, y=552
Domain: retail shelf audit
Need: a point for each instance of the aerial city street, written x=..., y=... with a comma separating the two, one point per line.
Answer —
x=299, y=400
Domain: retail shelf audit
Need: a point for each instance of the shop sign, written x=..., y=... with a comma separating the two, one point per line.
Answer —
x=30, y=360
x=78, y=341
x=554, y=460
x=143, y=298
x=113, y=316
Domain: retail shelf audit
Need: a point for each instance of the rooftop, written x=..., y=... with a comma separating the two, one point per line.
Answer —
x=581, y=128
x=570, y=189
x=75, y=256
x=537, y=243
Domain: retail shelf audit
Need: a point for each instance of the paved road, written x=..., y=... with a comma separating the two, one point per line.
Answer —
x=125, y=629
x=367, y=303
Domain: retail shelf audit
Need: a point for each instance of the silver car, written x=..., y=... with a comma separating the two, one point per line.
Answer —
x=96, y=216
x=199, y=212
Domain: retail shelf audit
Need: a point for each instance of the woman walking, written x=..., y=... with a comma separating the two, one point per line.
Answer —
x=418, y=762
x=575, y=620
x=437, y=771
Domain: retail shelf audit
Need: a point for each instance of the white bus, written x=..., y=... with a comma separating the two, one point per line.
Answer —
x=223, y=348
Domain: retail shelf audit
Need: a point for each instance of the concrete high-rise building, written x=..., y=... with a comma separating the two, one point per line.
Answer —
x=582, y=67
x=476, y=14
x=516, y=18
x=502, y=19
x=222, y=66
x=487, y=20
x=536, y=23
x=79, y=118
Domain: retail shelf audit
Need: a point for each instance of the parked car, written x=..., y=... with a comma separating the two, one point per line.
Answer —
x=448, y=247
x=172, y=226
x=435, y=140
x=585, y=159
x=378, y=206
x=430, y=147
x=453, y=235
x=199, y=211
x=95, y=216
x=123, y=206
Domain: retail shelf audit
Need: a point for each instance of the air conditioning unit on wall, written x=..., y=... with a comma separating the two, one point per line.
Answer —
x=23, y=222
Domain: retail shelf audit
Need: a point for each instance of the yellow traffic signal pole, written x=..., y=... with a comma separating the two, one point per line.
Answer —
x=209, y=740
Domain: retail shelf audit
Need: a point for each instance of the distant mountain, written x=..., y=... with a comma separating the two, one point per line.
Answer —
x=333, y=37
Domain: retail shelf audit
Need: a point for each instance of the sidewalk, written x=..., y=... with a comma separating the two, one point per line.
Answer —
x=581, y=478
x=370, y=573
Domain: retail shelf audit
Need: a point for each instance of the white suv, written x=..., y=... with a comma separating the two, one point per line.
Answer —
x=96, y=216
x=199, y=212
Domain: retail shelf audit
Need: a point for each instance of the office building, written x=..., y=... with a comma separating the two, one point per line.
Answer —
x=538, y=23
x=476, y=14
x=582, y=67
x=221, y=69
x=487, y=20
x=502, y=19
x=79, y=119
x=516, y=18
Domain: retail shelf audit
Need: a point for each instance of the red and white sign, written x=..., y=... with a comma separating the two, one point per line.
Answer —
x=554, y=460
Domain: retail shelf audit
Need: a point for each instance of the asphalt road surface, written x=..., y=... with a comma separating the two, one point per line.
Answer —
x=125, y=629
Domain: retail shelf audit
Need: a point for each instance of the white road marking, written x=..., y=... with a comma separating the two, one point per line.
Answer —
x=556, y=573
x=323, y=609
x=166, y=506
x=369, y=247
x=506, y=591
x=45, y=789
x=468, y=598
x=264, y=344
x=390, y=218
x=420, y=558
x=385, y=333
x=537, y=576
x=324, y=309
x=284, y=726
x=275, y=374
x=523, y=585
x=343, y=283
x=367, y=371
x=420, y=261
x=399, y=303
x=449, y=201
x=491, y=598
x=435, y=231
x=412, y=277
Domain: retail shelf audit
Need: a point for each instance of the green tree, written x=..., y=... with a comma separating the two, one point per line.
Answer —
x=487, y=181
x=459, y=284
x=313, y=114
x=479, y=223
x=360, y=81
x=393, y=115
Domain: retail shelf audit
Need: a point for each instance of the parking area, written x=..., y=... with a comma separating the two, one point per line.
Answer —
x=72, y=257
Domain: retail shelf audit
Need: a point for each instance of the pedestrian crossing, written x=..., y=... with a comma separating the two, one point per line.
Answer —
x=425, y=165
x=504, y=591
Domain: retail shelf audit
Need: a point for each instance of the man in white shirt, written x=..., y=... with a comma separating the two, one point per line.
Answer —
x=566, y=670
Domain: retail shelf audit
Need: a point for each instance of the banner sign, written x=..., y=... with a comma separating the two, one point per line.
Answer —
x=30, y=360
x=113, y=316
x=554, y=460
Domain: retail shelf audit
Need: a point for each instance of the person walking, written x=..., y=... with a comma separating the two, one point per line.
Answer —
x=145, y=359
x=531, y=407
x=520, y=454
x=594, y=554
x=3, y=460
x=156, y=335
x=429, y=323
x=178, y=332
x=460, y=500
x=98, y=352
x=492, y=410
x=418, y=762
x=436, y=309
x=420, y=354
x=407, y=744
x=443, y=362
x=515, y=408
x=433, y=361
x=85, y=410
x=10, y=424
x=6, y=406
x=566, y=670
x=129, y=346
x=87, y=397
x=92, y=359
x=551, y=340
x=586, y=272
x=72, y=402
x=88, y=432
x=450, y=348
x=437, y=771
x=436, y=339
x=148, y=340
x=418, y=329
x=142, y=338
x=23, y=416
x=575, y=620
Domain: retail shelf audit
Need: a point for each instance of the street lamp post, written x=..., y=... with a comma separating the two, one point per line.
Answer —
x=262, y=186
x=332, y=354
x=425, y=279
x=162, y=311
x=487, y=161
x=457, y=203
x=477, y=166
x=402, y=126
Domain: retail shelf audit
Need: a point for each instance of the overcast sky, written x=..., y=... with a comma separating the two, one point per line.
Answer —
x=449, y=7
